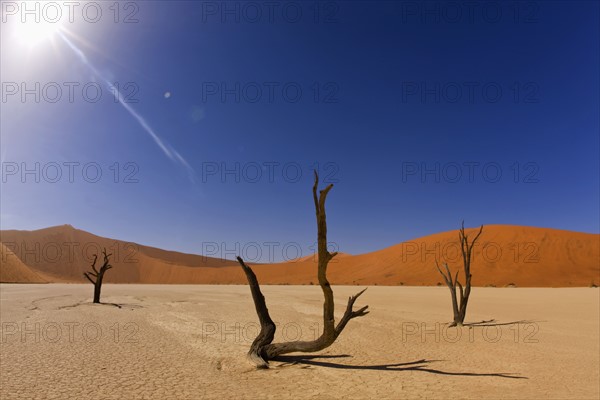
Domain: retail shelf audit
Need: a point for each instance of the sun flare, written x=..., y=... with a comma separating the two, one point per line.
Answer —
x=33, y=32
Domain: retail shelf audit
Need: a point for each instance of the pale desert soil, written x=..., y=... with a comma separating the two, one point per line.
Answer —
x=168, y=342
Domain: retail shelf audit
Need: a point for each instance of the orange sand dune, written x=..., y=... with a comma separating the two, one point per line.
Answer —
x=63, y=253
x=314, y=256
x=523, y=256
x=12, y=269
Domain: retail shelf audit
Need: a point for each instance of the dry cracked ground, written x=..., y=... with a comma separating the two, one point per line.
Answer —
x=189, y=342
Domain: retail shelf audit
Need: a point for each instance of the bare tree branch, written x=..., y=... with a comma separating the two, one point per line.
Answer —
x=267, y=326
x=459, y=306
x=88, y=277
x=94, y=264
x=443, y=274
x=98, y=274
x=262, y=348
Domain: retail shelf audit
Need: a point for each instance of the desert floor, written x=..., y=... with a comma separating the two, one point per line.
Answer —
x=168, y=341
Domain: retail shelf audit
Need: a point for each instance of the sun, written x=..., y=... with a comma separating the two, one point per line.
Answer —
x=31, y=33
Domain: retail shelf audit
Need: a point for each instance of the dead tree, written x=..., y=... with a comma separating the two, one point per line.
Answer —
x=98, y=274
x=262, y=349
x=459, y=306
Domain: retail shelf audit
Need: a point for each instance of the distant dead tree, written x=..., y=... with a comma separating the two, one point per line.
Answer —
x=460, y=308
x=98, y=274
x=262, y=349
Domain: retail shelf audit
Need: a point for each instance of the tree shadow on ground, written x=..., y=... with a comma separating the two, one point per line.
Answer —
x=493, y=322
x=89, y=303
x=419, y=365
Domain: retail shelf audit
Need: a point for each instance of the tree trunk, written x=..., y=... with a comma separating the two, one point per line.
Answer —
x=96, y=276
x=262, y=348
x=97, y=288
x=460, y=309
x=455, y=309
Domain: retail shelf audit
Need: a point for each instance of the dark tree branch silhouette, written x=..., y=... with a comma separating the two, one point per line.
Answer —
x=98, y=275
x=418, y=365
x=459, y=306
x=262, y=349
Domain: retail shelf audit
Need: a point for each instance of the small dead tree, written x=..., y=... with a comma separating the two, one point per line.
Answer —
x=262, y=349
x=98, y=274
x=459, y=306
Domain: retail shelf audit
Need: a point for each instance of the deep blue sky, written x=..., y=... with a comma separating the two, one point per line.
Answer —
x=402, y=86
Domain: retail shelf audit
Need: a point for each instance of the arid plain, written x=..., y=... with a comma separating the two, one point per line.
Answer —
x=189, y=341
x=174, y=325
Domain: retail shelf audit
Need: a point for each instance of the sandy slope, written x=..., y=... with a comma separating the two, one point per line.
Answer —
x=13, y=270
x=525, y=256
x=63, y=253
x=189, y=342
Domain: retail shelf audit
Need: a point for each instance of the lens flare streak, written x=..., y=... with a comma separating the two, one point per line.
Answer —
x=164, y=146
